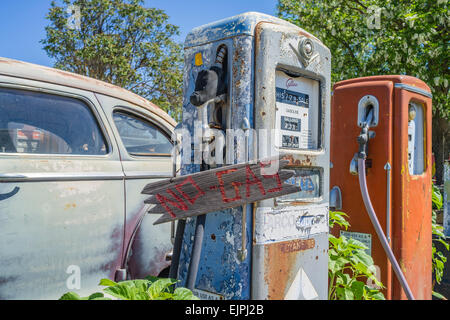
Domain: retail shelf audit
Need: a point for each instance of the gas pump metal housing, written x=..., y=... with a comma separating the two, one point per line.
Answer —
x=282, y=263
x=293, y=267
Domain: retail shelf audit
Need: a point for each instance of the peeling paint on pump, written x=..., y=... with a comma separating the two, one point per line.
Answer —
x=294, y=267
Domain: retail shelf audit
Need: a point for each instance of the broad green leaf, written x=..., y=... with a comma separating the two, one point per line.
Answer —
x=159, y=286
x=184, y=294
x=358, y=289
x=130, y=290
x=152, y=278
x=376, y=295
x=107, y=282
x=363, y=257
x=70, y=296
x=348, y=293
x=96, y=296
x=438, y=295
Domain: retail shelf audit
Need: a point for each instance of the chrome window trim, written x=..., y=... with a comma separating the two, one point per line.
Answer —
x=148, y=175
x=136, y=113
x=85, y=176
x=56, y=177
x=84, y=99
x=142, y=114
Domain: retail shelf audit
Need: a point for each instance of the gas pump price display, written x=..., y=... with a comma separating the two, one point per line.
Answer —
x=292, y=97
x=296, y=112
x=291, y=124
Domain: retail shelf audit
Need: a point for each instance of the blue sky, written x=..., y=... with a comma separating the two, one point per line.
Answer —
x=22, y=22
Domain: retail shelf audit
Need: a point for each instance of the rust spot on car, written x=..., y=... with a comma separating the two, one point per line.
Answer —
x=70, y=206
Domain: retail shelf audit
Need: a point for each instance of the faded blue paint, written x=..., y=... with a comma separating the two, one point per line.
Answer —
x=240, y=25
x=220, y=269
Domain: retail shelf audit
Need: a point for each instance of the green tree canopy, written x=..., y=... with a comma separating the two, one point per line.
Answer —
x=120, y=42
x=374, y=37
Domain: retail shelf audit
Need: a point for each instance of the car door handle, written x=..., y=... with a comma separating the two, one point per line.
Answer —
x=8, y=195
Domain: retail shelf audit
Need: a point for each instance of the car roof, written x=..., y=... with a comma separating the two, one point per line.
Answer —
x=20, y=69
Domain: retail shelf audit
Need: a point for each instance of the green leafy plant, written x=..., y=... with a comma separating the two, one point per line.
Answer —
x=348, y=265
x=438, y=258
x=150, y=288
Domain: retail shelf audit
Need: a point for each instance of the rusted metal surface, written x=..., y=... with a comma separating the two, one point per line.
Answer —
x=241, y=25
x=410, y=207
x=145, y=245
x=46, y=230
x=253, y=62
x=223, y=235
x=280, y=271
x=71, y=214
x=285, y=260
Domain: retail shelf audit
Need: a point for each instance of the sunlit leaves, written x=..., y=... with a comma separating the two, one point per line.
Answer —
x=150, y=288
x=120, y=42
x=373, y=37
x=349, y=266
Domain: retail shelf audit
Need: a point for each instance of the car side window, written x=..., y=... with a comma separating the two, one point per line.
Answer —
x=43, y=123
x=140, y=137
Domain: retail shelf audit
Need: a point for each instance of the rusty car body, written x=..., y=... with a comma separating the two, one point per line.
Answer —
x=75, y=154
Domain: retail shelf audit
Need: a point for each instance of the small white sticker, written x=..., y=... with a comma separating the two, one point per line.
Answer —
x=291, y=222
x=301, y=288
x=206, y=295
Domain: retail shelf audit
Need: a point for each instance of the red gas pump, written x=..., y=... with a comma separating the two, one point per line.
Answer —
x=393, y=113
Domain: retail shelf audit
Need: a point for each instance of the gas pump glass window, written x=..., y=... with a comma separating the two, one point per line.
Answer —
x=42, y=123
x=141, y=138
x=416, y=138
x=297, y=112
x=297, y=124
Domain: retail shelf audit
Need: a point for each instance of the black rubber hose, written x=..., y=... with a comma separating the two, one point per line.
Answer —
x=196, y=252
x=173, y=272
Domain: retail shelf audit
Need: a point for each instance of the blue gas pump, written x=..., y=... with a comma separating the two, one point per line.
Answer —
x=256, y=86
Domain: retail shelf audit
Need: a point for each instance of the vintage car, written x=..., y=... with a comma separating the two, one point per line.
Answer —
x=75, y=154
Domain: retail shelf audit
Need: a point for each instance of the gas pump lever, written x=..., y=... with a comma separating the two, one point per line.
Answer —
x=363, y=140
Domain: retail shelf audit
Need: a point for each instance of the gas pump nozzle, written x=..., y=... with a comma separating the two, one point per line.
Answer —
x=365, y=136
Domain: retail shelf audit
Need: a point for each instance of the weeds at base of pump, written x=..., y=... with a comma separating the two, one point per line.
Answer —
x=438, y=258
x=150, y=288
x=349, y=266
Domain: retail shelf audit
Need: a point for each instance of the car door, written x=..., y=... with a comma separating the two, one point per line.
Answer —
x=61, y=192
x=144, y=141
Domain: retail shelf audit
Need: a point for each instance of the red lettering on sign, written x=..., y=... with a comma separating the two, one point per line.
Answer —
x=179, y=204
x=192, y=182
x=221, y=186
x=249, y=182
x=279, y=186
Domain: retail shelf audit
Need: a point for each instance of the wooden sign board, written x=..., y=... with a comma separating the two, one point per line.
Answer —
x=221, y=188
